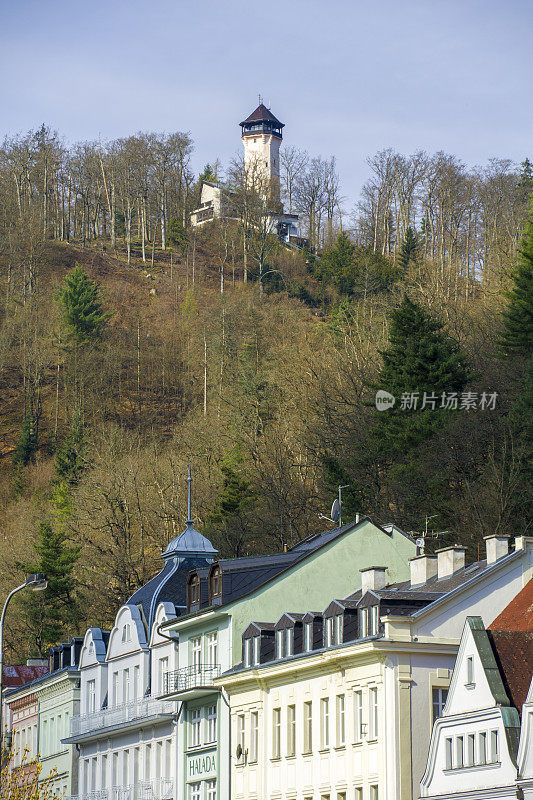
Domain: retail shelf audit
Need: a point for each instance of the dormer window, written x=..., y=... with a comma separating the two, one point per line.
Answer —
x=469, y=671
x=308, y=636
x=279, y=643
x=369, y=621
x=256, y=650
x=247, y=652
x=126, y=633
x=338, y=629
x=329, y=631
x=194, y=590
x=216, y=583
x=289, y=641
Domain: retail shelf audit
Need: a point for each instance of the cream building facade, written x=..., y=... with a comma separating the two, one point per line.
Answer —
x=332, y=715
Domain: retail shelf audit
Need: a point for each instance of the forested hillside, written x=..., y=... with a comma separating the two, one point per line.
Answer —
x=131, y=344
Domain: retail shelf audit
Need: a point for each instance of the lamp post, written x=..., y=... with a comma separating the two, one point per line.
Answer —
x=36, y=581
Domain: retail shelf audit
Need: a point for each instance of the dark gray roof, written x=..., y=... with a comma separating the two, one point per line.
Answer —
x=262, y=114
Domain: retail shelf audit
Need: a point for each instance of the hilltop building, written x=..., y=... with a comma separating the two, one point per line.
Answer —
x=261, y=135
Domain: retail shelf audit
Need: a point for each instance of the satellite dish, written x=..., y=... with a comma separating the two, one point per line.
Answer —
x=238, y=752
x=335, y=510
x=420, y=543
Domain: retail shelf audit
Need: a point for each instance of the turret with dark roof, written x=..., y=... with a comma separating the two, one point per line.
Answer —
x=262, y=120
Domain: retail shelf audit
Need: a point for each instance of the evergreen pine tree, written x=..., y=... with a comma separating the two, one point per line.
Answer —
x=82, y=309
x=517, y=334
x=408, y=249
x=521, y=419
x=525, y=182
x=27, y=444
x=70, y=460
x=421, y=358
x=53, y=613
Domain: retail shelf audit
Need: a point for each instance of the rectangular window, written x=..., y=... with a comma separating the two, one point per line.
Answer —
x=324, y=722
x=289, y=641
x=279, y=644
x=448, y=752
x=147, y=762
x=470, y=670
x=276, y=733
x=196, y=652
x=358, y=715
x=339, y=632
x=308, y=636
x=374, y=621
x=470, y=750
x=247, y=652
x=494, y=747
x=308, y=727
x=195, y=791
x=358, y=793
x=363, y=623
x=103, y=773
x=341, y=721
x=212, y=723
x=329, y=631
x=254, y=736
x=373, y=712
x=195, y=727
x=482, y=748
x=438, y=696
x=115, y=690
x=257, y=650
x=374, y=793
x=125, y=767
x=211, y=790
x=240, y=734
x=291, y=731
x=459, y=751
x=114, y=770
x=212, y=649
x=163, y=669
x=91, y=697
x=126, y=686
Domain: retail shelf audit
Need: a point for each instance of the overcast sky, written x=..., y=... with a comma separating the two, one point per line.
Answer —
x=347, y=77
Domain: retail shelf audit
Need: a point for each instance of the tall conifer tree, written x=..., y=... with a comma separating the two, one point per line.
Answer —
x=517, y=335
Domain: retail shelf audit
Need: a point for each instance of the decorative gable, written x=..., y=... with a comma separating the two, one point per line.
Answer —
x=128, y=634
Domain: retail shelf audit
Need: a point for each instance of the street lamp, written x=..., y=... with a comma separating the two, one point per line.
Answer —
x=36, y=582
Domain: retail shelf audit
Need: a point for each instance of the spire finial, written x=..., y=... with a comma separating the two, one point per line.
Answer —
x=189, y=481
x=260, y=99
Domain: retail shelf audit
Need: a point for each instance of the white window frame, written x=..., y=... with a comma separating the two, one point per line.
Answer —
x=256, y=650
x=247, y=652
x=276, y=733
x=212, y=648
x=254, y=736
x=494, y=747
x=211, y=789
x=308, y=726
x=289, y=641
x=373, y=712
x=211, y=728
x=324, y=722
x=358, y=715
x=341, y=720
x=291, y=731
x=339, y=625
x=448, y=752
x=308, y=637
x=195, y=727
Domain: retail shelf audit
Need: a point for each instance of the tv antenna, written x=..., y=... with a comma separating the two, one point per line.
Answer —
x=421, y=539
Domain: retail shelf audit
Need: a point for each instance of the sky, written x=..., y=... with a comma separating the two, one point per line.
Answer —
x=347, y=77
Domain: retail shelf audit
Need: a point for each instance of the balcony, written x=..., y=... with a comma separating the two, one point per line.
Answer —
x=125, y=714
x=191, y=682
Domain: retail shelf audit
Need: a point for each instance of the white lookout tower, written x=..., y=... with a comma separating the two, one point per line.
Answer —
x=261, y=137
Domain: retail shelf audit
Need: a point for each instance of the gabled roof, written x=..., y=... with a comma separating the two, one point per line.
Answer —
x=513, y=652
x=262, y=114
x=518, y=615
x=255, y=627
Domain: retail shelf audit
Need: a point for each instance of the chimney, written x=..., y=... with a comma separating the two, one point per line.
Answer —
x=497, y=547
x=422, y=569
x=373, y=578
x=450, y=560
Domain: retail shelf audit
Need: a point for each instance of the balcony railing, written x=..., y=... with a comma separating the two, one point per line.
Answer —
x=196, y=676
x=162, y=789
x=128, y=712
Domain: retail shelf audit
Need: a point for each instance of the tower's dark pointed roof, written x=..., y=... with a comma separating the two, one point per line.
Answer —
x=190, y=543
x=262, y=114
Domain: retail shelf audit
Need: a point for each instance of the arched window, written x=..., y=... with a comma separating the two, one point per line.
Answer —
x=216, y=583
x=194, y=589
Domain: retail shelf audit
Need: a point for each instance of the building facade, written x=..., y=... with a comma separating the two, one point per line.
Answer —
x=220, y=602
x=340, y=704
x=125, y=734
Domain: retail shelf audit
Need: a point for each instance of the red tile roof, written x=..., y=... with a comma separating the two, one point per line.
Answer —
x=513, y=651
x=13, y=676
x=518, y=615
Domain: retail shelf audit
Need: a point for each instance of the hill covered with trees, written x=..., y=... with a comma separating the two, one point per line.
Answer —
x=131, y=344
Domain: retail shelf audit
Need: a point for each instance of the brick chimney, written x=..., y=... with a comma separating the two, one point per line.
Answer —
x=450, y=560
x=497, y=547
x=373, y=578
x=422, y=569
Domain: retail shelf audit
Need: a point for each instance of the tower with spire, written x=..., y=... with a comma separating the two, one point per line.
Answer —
x=262, y=136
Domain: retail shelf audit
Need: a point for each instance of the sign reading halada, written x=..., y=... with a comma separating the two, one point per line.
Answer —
x=201, y=766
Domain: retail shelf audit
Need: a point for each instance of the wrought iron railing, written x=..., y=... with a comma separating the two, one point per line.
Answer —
x=162, y=789
x=117, y=715
x=191, y=677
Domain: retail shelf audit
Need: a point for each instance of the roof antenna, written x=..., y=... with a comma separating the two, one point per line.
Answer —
x=336, y=508
x=189, y=481
x=260, y=99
